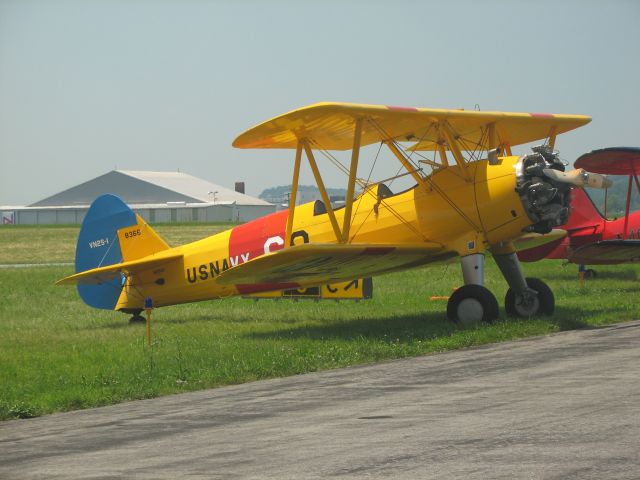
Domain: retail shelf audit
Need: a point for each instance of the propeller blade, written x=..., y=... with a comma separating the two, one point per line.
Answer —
x=578, y=177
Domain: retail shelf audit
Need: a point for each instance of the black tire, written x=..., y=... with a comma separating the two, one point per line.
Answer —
x=545, y=303
x=471, y=304
x=137, y=319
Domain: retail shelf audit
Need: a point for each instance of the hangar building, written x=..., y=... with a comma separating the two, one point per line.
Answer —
x=158, y=197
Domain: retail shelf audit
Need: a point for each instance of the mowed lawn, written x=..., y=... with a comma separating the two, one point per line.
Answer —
x=57, y=354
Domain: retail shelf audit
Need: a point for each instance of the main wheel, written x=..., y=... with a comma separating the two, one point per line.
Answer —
x=471, y=304
x=527, y=305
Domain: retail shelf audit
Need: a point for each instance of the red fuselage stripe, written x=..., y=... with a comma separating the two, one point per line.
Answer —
x=253, y=239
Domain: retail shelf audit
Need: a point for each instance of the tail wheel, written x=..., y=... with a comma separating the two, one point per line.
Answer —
x=527, y=304
x=471, y=304
x=137, y=319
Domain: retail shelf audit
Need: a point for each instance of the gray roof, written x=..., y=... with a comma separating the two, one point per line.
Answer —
x=144, y=187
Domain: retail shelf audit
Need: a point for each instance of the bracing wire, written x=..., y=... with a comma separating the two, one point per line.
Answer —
x=375, y=160
x=361, y=183
x=336, y=162
x=365, y=183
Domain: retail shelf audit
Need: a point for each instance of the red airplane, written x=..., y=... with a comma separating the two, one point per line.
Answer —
x=591, y=238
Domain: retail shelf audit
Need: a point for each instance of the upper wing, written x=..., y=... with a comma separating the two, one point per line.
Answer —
x=611, y=161
x=331, y=126
x=607, y=252
x=314, y=264
x=97, y=276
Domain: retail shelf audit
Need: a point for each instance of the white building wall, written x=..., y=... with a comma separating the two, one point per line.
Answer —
x=47, y=217
x=65, y=217
x=219, y=213
x=163, y=215
x=246, y=213
x=26, y=217
x=211, y=213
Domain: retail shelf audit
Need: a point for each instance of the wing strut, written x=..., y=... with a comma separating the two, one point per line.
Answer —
x=443, y=154
x=355, y=153
x=323, y=190
x=294, y=194
x=405, y=163
x=492, y=142
x=553, y=133
x=632, y=176
x=455, y=150
x=342, y=235
x=625, y=229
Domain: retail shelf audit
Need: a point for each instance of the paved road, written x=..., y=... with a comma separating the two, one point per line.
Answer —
x=561, y=406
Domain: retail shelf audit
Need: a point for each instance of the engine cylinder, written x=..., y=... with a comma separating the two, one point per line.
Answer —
x=545, y=200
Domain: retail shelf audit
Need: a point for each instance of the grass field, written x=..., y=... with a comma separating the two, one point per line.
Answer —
x=57, y=354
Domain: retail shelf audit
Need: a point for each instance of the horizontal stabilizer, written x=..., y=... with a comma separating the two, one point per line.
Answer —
x=100, y=275
x=315, y=264
x=607, y=252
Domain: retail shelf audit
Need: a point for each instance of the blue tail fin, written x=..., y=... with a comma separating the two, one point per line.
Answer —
x=98, y=246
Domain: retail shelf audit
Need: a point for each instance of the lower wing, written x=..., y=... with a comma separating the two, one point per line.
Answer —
x=315, y=264
x=607, y=252
x=532, y=247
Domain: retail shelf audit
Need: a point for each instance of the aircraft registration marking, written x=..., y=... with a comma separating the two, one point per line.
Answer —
x=133, y=233
x=100, y=242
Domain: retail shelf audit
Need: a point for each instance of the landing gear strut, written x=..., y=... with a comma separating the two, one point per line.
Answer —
x=472, y=303
x=526, y=297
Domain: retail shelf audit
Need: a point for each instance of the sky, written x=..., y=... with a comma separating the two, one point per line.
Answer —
x=87, y=86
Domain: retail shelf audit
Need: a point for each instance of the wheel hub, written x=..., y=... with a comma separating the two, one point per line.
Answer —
x=470, y=311
x=527, y=304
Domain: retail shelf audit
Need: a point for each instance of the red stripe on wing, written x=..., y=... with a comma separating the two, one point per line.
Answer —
x=542, y=115
x=402, y=109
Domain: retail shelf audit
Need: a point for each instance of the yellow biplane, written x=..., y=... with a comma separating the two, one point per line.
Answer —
x=471, y=196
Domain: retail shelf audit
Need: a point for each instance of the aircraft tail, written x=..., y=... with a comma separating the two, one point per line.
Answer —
x=111, y=233
x=584, y=213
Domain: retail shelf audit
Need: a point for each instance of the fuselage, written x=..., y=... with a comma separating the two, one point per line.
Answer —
x=587, y=234
x=465, y=213
x=585, y=226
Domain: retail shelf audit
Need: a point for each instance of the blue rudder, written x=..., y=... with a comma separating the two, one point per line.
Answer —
x=98, y=246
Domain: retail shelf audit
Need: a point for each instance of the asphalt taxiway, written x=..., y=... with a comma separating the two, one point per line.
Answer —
x=560, y=406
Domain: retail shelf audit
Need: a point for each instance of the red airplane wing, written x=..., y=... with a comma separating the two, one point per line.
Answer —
x=607, y=252
x=611, y=161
